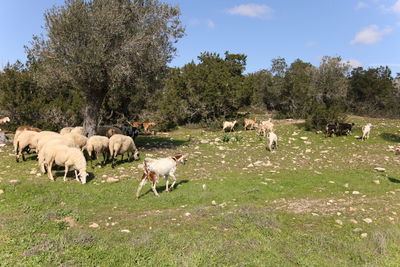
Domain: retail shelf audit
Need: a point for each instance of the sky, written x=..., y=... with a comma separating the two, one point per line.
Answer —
x=363, y=33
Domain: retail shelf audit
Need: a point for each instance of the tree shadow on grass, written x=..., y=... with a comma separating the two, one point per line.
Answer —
x=395, y=138
x=394, y=180
x=161, y=189
x=158, y=142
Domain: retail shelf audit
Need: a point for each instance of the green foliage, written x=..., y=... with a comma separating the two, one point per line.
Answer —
x=320, y=115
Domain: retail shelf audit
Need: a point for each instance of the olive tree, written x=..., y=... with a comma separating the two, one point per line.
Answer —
x=100, y=45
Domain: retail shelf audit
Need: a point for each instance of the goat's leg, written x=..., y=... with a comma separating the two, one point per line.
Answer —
x=142, y=183
x=153, y=187
x=166, y=183
x=173, y=178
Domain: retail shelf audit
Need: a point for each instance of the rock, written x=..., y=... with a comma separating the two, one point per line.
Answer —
x=204, y=141
x=367, y=220
x=112, y=180
x=222, y=205
x=356, y=193
x=346, y=185
x=339, y=222
x=303, y=137
x=376, y=181
x=308, y=150
x=1, y=191
x=14, y=181
x=94, y=225
x=187, y=214
x=379, y=169
x=214, y=203
x=204, y=187
x=364, y=235
x=357, y=230
x=217, y=140
x=258, y=163
x=125, y=231
x=353, y=221
x=250, y=165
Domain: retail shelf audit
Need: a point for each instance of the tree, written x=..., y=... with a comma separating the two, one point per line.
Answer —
x=103, y=45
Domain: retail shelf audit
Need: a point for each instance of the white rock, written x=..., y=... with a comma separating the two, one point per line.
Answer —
x=379, y=169
x=357, y=230
x=204, y=141
x=94, y=225
x=187, y=214
x=339, y=222
x=214, y=203
x=14, y=181
x=303, y=137
x=356, y=193
x=1, y=191
x=204, y=187
x=125, y=231
x=364, y=235
x=367, y=220
x=376, y=181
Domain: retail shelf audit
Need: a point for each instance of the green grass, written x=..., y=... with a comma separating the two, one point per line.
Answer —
x=272, y=209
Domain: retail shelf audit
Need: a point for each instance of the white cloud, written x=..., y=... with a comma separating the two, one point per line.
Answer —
x=354, y=63
x=370, y=35
x=361, y=5
x=252, y=10
x=396, y=7
x=210, y=24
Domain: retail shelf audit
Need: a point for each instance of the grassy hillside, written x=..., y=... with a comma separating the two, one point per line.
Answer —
x=315, y=201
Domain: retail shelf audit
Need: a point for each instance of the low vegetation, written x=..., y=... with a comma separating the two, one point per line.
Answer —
x=314, y=201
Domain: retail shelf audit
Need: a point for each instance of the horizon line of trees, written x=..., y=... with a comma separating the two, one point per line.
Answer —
x=209, y=91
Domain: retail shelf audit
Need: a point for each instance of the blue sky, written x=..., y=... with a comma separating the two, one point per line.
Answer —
x=365, y=33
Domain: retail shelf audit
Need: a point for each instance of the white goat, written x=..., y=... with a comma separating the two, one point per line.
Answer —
x=155, y=167
x=272, y=141
x=4, y=120
x=365, y=131
x=228, y=125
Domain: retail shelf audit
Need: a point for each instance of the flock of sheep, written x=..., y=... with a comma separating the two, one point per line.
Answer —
x=67, y=148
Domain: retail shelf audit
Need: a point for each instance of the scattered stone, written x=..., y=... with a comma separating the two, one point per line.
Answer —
x=353, y=221
x=214, y=203
x=357, y=230
x=14, y=181
x=356, y=193
x=376, y=181
x=367, y=220
x=331, y=182
x=217, y=139
x=346, y=185
x=204, y=187
x=364, y=235
x=303, y=137
x=1, y=191
x=379, y=169
x=187, y=214
x=250, y=165
x=308, y=150
x=125, y=231
x=204, y=141
x=314, y=214
x=339, y=222
x=94, y=225
x=112, y=180
x=223, y=205
x=258, y=163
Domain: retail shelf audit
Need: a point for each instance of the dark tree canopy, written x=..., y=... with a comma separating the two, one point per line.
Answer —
x=103, y=45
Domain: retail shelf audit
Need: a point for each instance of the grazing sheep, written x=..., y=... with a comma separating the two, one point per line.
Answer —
x=66, y=130
x=70, y=157
x=97, y=144
x=272, y=141
x=4, y=120
x=108, y=131
x=119, y=144
x=25, y=141
x=77, y=130
x=265, y=127
x=25, y=128
x=79, y=140
x=228, y=125
x=63, y=139
x=153, y=168
x=249, y=122
x=366, y=129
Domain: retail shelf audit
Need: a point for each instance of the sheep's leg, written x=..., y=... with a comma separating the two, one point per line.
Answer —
x=65, y=173
x=166, y=183
x=173, y=183
x=49, y=168
x=142, y=183
x=76, y=176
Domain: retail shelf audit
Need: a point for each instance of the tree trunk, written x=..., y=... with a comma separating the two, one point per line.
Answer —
x=92, y=111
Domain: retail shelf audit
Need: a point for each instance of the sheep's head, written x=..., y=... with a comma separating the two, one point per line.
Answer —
x=83, y=176
x=136, y=155
x=180, y=158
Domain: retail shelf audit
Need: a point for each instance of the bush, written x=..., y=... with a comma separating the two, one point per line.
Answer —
x=321, y=115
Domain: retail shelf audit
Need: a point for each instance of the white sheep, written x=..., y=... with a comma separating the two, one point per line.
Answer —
x=70, y=157
x=50, y=141
x=272, y=141
x=228, y=125
x=153, y=168
x=79, y=140
x=4, y=120
x=119, y=144
x=97, y=144
x=66, y=130
x=20, y=129
x=365, y=131
x=77, y=130
x=25, y=140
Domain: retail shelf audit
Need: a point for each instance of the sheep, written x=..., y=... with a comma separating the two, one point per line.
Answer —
x=26, y=140
x=108, y=131
x=155, y=167
x=97, y=144
x=228, y=125
x=4, y=120
x=20, y=129
x=119, y=144
x=66, y=130
x=365, y=131
x=79, y=140
x=265, y=127
x=77, y=130
x=249, y=122
x=43, y=137
x=70, y=157
x=51, y=140
x=272, y=141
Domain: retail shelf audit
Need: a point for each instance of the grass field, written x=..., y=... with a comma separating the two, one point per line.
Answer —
x=316, y=201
